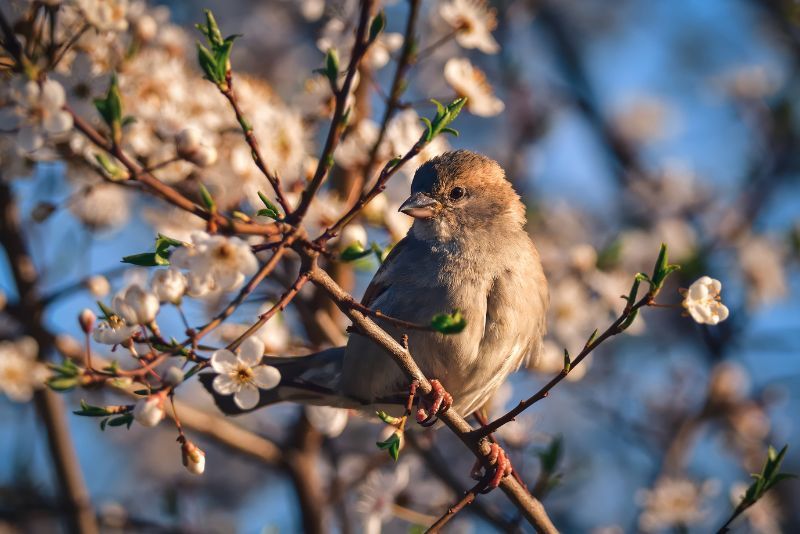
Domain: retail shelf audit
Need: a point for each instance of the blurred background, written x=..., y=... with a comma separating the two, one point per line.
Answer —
x=622, y=124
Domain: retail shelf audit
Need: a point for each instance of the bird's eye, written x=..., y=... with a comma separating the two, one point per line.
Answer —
x=456, y=193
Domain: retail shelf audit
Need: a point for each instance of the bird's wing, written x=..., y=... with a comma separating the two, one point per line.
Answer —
x=380, y=282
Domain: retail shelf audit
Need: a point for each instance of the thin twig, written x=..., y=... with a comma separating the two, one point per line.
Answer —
x=255, y=150
x=337, y=123
x=613, y=330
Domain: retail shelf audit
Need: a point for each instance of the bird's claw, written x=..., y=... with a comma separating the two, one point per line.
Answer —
x=435, y=403
x=497, y=458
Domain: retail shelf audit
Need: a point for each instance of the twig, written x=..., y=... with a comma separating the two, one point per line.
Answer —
x=337, y=124
x=168, y=193
x=404, y=62
x=613, y=330
x=247, y=130
x=388, y=171
x=466, y=500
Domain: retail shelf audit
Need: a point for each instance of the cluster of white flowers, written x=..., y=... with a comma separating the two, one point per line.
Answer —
x=36, y=111
x=214, y=263
x=674, y=502
x=20, y=372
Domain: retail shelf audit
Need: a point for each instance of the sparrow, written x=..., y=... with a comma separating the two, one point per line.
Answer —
x=466, y=250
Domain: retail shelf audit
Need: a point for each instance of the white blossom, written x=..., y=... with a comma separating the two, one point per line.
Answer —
x=377, y=495
x=214, y=263
x=168, y=285
x=20, y=372
x=102, y=205
x=702, y=301
x=136, y=305
x=38, y=112
x=470, y=82
x=474, y=21
x=328, y=420
x=192, y=147
x=113, y=332
x=150, y=410
x=105, y=15
x=241, y=375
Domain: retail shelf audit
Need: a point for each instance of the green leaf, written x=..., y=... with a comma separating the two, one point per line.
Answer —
x=332, y=68
x=110, y=109
x=356, y=251
x=662, y=269
x=445, y=115
x=145, y=259
x=208, y=63
x=376, y=26
x=87, y=410
x=208, y=201
x=108, y=313
x=449, y=323
x=114, y=171
x=124, y=419
x=567, y=361
x=270, y=210
x=62, y=383
x=392, y=445
x=552, y=454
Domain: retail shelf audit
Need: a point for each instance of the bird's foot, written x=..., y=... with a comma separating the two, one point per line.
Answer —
x=500, y=467
x=435, y=403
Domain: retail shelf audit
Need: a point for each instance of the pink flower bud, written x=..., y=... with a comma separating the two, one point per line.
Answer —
x=86, y=320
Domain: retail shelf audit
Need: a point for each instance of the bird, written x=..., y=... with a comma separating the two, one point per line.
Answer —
x=468, y=250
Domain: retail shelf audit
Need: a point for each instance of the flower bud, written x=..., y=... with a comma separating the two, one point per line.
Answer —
x=86, y=320
x=194, y=459
x=98, y=285
x=188, y=141
x=173, y=376
x=149, y=411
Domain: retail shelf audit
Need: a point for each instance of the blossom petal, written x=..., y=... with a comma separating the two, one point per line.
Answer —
x=251, y=351
x=223, y=361
x=247, y=397
x=266, y=376
x=225, y=385
x=58, y=122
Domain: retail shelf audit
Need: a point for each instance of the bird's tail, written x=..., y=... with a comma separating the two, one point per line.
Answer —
x=312, y=379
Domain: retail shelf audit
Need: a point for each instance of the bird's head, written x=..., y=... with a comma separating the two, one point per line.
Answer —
x=462, y=191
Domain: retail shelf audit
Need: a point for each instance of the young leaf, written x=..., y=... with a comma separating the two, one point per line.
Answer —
x=208, y=201
x=332, y=68
x=391, y=445
x=377, y=26
x=270, y=210
x=356, y=251
x=449, y=323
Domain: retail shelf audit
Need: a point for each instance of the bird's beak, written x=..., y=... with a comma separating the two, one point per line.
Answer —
x=420, y=206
